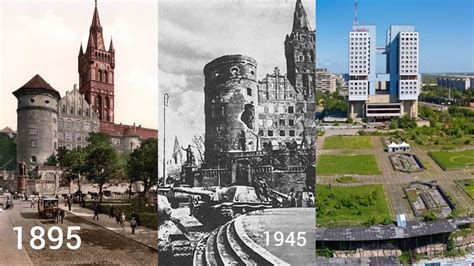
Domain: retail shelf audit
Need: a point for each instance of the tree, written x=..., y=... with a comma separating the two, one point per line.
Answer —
x=7, y=153
x=198, y=141
x=52, y=160
x=101, y=161
x=142, y=164
x=393, y=124
x=406, y=122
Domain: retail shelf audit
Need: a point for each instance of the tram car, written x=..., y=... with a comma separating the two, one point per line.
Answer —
x=48, y=206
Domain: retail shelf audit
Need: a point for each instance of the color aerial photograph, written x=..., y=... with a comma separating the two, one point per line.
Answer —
x=395, y=132
x=237, y=132
x=78, y=138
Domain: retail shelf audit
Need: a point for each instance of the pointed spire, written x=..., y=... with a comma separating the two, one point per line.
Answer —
x=95, y=33
x=111, y=45
x=81, y=52
x=300, y=20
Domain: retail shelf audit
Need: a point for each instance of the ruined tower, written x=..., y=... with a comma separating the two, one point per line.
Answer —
x=96, y=72
x=300, y=53
x=37, y=118
x=231, y=101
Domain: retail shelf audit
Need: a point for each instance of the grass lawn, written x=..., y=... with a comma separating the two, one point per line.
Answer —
x=347, y=142
x=454, y=159
x=468, y=186
x=341, y=206
x=362, y=164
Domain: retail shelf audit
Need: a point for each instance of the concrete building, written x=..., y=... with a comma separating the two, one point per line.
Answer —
x=37, y=121
x=325, y=81
x=383, y=96
x=76, y=120
x=461, y=83
x=280, y=113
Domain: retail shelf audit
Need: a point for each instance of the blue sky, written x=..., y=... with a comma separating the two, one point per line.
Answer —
x=446, y=30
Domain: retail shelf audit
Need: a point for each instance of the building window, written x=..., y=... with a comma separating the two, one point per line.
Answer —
x=78, y=137
x=282, y=133
x=292, y=133
x=69, y=124
x=54, y=120
x=79, y=111
x=33, y=159
x=69, y=146
x=55, y=133
x=282, y=122
x=71, y=110
x=61, y=135
x=61, y=124
x=260, y=132
x=33, y=131
x=249, y=91
x=291, y=122
x=68, y=136
x=291, y=109
x=270, y=133
x=33, y=144
x=55, y=145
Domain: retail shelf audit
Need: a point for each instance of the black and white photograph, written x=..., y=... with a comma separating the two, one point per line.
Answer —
x=237, y=132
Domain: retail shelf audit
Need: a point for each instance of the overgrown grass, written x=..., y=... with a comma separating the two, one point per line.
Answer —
x=362, y=164
x=347, y=142
x=341, y=206
x=468, y=186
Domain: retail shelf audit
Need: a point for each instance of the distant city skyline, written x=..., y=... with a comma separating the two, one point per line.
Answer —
x=446, y=31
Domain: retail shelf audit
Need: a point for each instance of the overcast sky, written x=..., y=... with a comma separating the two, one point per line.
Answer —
x=43, y=38
x=193, y=33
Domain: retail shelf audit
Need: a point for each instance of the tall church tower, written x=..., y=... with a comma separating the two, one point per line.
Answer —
x=300, y=53
x=96, y=72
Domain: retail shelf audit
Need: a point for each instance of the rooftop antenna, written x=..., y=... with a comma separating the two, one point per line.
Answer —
x=356, y=19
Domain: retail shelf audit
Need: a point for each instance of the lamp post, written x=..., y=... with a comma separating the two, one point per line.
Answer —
x=165, y=104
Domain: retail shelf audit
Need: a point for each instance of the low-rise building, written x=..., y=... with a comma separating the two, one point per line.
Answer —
x=461, y=83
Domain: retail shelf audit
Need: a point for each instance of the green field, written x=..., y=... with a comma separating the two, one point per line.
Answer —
x=468, y=186
x=343, y=206
x=347, y=142
x=362, y=164
x=454, y=159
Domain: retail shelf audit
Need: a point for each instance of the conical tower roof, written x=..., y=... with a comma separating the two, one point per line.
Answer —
x=300, y=19
x=36, y=83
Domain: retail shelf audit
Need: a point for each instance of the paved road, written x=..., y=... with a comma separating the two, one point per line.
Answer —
x=99, y=245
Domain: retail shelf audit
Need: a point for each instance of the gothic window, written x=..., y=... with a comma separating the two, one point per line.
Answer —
x=105, y=76
x=71, y=110
x=100, y=75
x=79, y=111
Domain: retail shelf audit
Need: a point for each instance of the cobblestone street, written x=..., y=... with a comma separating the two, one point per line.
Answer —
x=99, y=245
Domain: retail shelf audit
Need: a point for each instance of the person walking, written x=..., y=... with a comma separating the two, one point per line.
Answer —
x=32, y=205
x=96, y=212
x=62, y=213
x=111, y=212
x=69, y=204
x=137, y=218
x=133, y=224
x=122, y=220
x=117, y=217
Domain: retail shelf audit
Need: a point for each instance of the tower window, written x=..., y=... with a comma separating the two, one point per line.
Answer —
x=33, y=159
x=32, y=100
x=249, y=91
x=33, y=144
x=292, y=133
x=270, y=133
x=291, y=122
x=234, y=70
x=282, y=133
x=291, y=109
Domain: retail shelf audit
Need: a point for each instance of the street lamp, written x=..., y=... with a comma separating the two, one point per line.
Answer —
x=166, y=98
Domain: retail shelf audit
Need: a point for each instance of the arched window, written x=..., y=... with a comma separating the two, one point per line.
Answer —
x=105, y=76
x=111, y=77
x=71, y=110
x=79, y=111
x=63, y=109
x=33, y=159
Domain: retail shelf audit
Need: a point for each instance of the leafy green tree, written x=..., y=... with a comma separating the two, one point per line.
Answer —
x=7, y=153
x=142, y=164
x=393, y=124
x=52, y=160
x=101, y=162
x=406, y=122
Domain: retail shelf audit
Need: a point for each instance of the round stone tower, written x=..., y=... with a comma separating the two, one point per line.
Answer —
x=231, y=101
x=37, y=121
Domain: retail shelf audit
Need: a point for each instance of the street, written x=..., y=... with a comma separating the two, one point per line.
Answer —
x=99, y=245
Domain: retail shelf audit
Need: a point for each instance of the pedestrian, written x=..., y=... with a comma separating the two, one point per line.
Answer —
x=62, y=214
x=57, y=216
x=191, y=205
x=137, y=219
x=96, y=212
x=117, y=217
x=32, y=205
x=69, y=204
x=122, y=220
x=111, y=212
x=133, y=224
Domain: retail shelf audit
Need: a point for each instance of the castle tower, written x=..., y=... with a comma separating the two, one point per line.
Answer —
x=231, y=98
x=37, y=118
x=96, y=72
x=300, y=53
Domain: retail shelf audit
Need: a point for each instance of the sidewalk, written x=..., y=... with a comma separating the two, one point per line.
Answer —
x=9, y=254
x=142, y=234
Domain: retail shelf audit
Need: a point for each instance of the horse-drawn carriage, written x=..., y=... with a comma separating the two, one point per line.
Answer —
x=48, y=206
